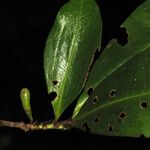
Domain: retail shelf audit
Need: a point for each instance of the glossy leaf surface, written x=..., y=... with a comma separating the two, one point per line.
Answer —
x=69, y=51
x=119, y=104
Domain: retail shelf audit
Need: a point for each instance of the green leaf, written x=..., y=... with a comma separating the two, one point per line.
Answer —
x=119, y=104
x=69, y=51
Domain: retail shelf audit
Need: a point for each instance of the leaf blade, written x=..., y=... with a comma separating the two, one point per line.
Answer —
x=116, y=55
x=65, y=50
x=120, y=79
x=129, y=96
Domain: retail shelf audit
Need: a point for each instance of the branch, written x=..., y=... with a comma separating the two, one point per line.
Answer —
x=66, y=124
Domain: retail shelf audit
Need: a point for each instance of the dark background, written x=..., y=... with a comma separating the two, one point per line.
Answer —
x=24, y=27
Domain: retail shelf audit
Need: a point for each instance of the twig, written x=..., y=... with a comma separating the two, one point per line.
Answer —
x=66, y=124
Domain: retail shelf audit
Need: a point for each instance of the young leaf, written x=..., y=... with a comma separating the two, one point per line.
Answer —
x=25, y=99
x=119, y=104
x=114, y=56
x=69, y=51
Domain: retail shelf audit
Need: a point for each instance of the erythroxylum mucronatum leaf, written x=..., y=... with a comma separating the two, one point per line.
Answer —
x=120, y=80
x=69, y=51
